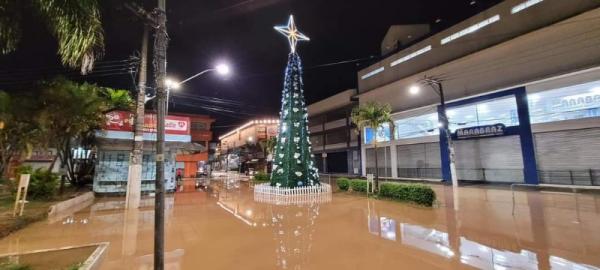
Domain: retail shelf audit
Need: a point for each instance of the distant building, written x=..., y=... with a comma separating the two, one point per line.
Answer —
x=242, y=147
x=522, y=85
x=193, y=163
x=335, y=143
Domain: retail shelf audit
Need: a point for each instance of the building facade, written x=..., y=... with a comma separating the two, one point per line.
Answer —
x=115, y=144
x=243, y=147
x=194, y=163
x=335, y=142
x=522, y=86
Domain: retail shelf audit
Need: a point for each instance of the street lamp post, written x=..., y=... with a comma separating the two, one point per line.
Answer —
x=162, y=94
x=436, y=86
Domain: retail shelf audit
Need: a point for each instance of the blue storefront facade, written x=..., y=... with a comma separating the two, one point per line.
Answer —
x=518, y=125
x=546, y=131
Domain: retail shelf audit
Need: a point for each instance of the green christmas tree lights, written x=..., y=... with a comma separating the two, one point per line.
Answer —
x=293, y=164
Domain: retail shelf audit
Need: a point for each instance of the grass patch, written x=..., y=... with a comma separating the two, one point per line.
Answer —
x=35, y=210
x=14, y=266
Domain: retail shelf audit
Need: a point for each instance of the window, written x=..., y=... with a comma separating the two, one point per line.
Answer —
x=524, y=5
x=338, y=136
x=497, y=111
x=199, y=126
x=316, y=140
x=411, y=56
x=382, y=134
x=372, y=73
x=567, y=103
x=471, y=29
x=417, y=126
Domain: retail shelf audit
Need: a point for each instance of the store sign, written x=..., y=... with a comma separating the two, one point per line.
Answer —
x=481, y=131
x=124, y=121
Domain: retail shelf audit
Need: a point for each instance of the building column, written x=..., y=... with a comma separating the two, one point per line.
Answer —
x=393, y=160
x=363, y=160
x=530, y=172
x=444, y=152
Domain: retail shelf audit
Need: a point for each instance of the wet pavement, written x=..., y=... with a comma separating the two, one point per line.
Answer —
x=224, y=228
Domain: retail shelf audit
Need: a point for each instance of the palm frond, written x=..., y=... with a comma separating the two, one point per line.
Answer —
x=77, y=26
x=10, y=28
x=371, y=115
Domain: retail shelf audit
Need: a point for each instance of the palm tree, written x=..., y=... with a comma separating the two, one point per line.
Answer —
x=74, y=23
x=372, y=115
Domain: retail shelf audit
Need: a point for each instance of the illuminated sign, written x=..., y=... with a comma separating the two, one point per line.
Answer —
x=124, y=121
x=481, y=131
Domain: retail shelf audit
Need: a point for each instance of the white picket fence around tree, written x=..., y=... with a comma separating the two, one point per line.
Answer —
x=292, y=196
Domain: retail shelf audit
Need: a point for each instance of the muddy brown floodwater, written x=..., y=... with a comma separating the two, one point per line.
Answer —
x=224, y=228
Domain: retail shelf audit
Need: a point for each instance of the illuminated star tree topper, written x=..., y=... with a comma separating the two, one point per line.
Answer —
x=291, y=32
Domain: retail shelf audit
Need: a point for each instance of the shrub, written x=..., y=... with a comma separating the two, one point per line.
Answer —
x=43, y=184
x=419, y=194
x=343, y=183
x=359, y=185
x=262, y=177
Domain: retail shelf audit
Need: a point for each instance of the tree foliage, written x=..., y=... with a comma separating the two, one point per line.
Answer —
x=19, y=128
x=64, y=115
x=76, y=25
x=72, y=113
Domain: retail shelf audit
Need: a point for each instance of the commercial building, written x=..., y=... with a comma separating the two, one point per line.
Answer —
x=194, y=162
x=115, y=145
x=335, y=142
x=522, y=85
x=244, y=146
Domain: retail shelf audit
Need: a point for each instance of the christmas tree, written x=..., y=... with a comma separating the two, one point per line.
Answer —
x=293, y=164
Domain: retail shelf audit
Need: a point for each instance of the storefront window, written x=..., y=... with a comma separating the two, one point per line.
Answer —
x=418, y=126
x=497, y=111
x=382, y=134
x=567, y=103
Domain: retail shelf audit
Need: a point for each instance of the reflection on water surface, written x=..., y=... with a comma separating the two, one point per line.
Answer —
x=225, y=228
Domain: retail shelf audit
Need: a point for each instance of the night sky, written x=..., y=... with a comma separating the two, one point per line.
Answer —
x=240, y=32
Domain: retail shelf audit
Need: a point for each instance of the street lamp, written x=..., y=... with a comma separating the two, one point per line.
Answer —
x=436, y=86
x=222, y=69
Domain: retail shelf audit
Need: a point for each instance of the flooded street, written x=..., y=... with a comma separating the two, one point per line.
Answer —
x=224, y=228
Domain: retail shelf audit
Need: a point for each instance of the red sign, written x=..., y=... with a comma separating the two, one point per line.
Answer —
x=124, y=121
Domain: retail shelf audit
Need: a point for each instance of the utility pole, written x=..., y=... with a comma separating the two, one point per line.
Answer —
x=134, y=181
x=436, y=85
x=160, y=69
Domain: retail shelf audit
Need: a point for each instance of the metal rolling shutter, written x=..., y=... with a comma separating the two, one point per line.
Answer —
x=568, y=150
x=383, y=160
x=419, y=160
x=496, y=159
x=569, y=157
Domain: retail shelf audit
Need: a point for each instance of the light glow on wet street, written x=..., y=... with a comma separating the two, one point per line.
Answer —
x=225, y=228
